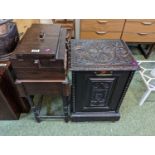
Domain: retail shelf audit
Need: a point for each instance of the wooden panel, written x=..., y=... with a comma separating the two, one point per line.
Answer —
x=69, y=24
x=137, y=37
x=100, y=35
x=32, y=88
x=36, y=74
x=102, y=25
x=140, y=26
x=24, y=24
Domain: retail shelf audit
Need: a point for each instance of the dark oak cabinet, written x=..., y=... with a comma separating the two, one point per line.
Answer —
x=94, y=92
x=101, y=73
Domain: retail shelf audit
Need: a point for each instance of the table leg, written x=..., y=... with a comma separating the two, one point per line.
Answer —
x=65, y=107
x=34, y=109
x=145, y=96
x=146, y=51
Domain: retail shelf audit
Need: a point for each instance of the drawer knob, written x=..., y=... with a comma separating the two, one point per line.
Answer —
x=142, y=33
x=102, y=21
x=147, y=23
x=42, y=35
x=101, y=32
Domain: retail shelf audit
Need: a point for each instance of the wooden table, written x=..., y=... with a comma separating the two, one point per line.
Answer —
x=28, y=88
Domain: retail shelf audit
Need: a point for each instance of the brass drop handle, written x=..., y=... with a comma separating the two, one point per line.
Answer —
x=142, y=33
x=103, y=73
x=102, y=21
x=101, y=32
x=147, y=23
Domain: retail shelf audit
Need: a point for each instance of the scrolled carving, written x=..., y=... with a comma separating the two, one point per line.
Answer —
x=101, y=54
x=99, y=93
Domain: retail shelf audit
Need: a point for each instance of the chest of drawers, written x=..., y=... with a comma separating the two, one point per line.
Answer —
x=139, y=30
x=129, y=30
x=101, y=28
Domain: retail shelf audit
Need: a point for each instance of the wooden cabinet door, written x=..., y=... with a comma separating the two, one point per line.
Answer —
x=98, y=93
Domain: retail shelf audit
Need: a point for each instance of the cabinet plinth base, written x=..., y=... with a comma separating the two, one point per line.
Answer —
x=95, y=116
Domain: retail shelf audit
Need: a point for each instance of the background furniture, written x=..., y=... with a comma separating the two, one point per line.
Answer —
x=101, y=73
x=148, y=79
x=69, y=24
x=101, y=28
x=140, y=31
x=24, y=24
x=11, y=105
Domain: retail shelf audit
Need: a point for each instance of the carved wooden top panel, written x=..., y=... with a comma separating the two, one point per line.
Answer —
x=101, y=55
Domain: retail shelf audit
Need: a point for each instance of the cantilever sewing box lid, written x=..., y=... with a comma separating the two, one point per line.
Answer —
x=42, y=41
x=98, y=55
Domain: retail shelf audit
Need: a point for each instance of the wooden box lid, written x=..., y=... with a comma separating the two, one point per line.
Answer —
x=42, y=41
x=92, y=55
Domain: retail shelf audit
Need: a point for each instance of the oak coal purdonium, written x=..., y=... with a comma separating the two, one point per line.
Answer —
x=101, y=73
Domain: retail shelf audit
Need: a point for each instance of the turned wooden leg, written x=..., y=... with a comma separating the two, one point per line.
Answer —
x=65, y=107
x=34, y=108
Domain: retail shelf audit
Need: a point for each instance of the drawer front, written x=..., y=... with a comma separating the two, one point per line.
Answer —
x=100, y=35
x=102, y=25
x=139, y=26
x=37, y=63
x=139, y=37
x=39, y=74
x=140, y=20
x=33, y=87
